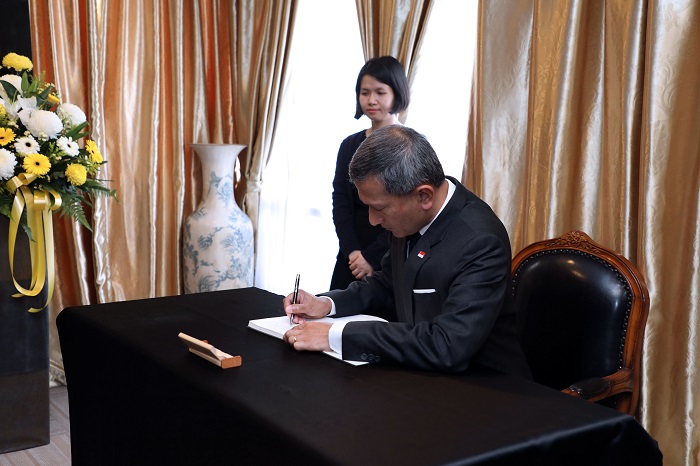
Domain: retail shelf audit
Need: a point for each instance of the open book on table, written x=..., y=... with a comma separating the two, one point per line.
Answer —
x=278, y=326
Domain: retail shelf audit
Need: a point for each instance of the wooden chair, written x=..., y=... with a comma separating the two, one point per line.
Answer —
x=582, y=310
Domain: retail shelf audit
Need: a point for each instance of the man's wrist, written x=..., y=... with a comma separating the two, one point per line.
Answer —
x=331, y=311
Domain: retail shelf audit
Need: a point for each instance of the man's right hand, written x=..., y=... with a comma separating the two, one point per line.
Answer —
x=308, y=306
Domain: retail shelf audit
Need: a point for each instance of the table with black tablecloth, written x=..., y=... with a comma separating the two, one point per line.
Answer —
x=137, y=396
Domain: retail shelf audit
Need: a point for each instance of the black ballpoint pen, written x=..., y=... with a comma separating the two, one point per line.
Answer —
x=294, y=298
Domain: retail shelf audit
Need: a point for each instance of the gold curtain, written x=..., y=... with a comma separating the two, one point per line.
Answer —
x=393, y=27
x=264, y=29
x=585, y=115
x=154, y=77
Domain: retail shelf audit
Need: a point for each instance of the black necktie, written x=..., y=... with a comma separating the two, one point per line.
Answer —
x=411, y=241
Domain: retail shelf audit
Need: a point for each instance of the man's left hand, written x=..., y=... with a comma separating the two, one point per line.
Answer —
x=309, y=336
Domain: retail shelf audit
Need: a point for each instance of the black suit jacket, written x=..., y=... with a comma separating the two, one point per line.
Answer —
x=448, y=302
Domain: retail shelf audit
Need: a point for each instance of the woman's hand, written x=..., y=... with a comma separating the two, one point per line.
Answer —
x=359, y=267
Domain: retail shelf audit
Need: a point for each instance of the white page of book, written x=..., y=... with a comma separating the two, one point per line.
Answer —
x=278, y=326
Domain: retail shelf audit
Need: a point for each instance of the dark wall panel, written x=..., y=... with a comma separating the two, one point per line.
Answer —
x=15, y=28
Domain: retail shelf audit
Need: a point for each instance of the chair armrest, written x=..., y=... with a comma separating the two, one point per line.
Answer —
x=590, y=388
x=598, y=388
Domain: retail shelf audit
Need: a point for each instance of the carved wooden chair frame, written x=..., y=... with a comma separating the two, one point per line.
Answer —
x=626, y=381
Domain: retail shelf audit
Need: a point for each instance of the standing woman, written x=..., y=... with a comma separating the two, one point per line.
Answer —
x=381, y=93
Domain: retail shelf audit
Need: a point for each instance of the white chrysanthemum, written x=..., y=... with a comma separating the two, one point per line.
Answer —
x=68, y=146
x=12, y=79
x=26, y=145
x=71, y=113
x=44, y=124
x=7, y=164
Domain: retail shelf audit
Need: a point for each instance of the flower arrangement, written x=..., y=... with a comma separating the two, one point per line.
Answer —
x=43, y=167
x=39, y=139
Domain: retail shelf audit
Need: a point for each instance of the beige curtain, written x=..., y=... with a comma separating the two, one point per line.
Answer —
x=585, y=115
x=154, y=77
x=265, y=27
x=393, y=27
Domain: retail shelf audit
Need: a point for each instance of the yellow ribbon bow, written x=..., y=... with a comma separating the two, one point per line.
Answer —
x=39, y=204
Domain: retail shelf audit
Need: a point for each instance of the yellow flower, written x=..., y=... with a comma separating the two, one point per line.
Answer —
x=76, y=174
x=6, y=135
x=18, y=62
x=53, y=99
x=3, y=112
x=36, y=164
x=95, y=155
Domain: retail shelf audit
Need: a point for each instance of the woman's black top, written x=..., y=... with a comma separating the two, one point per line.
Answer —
x=351, y=219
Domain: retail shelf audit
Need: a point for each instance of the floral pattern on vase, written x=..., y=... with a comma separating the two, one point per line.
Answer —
x=217, y=247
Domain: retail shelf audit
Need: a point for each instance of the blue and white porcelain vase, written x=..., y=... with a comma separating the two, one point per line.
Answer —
x=218, y=236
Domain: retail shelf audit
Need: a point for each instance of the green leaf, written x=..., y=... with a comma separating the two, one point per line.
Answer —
x=11, y=90
x=72, y=206
x=45, y=93
x=25, y=84
x=6, y=205
x=95, y=188
x=74, y=132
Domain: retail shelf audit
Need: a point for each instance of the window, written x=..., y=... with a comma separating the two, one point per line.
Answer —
x=295, y=230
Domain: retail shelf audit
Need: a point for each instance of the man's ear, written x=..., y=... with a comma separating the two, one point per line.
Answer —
x=426, y=193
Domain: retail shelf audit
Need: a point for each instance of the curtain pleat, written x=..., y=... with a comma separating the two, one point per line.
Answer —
x=392, y=27
x=261, y=40
x=133, y=75
x=585, y=116
x=670, y=227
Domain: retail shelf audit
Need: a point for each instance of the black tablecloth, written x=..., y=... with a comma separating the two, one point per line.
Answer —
x=137, y=396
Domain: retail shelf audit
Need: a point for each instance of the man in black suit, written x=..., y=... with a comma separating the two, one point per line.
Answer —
x=445, y=294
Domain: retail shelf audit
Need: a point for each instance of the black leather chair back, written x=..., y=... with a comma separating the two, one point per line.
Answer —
x=582, y=310
x=573, y=310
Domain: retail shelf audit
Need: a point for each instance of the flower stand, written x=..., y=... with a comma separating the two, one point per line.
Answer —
x=44, y=167
x=24, y=355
